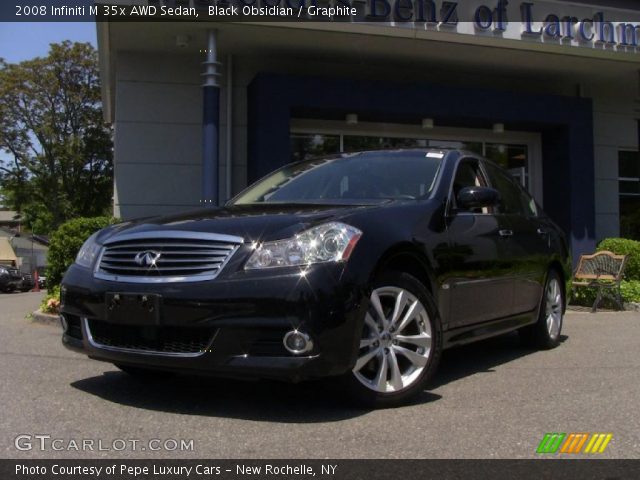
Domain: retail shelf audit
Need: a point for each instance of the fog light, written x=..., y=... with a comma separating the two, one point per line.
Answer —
x=297, y=342
x=63, y=322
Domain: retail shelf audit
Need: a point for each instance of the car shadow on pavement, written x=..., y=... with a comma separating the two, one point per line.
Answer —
x=481, y=357
x=272, y=401
x=263, y=400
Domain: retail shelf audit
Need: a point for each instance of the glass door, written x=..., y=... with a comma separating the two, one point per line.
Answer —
x=517, y=152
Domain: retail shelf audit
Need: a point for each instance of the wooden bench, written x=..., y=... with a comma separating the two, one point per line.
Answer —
x=602, y=270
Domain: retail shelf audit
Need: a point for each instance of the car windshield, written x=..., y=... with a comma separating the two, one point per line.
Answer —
x=362, y=177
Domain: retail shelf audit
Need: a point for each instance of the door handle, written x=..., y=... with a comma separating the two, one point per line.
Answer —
x=506, y=233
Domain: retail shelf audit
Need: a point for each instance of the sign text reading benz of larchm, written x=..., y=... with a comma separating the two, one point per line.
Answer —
x=535, y=20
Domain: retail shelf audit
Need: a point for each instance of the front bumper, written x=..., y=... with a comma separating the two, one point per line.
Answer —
x=245, y=316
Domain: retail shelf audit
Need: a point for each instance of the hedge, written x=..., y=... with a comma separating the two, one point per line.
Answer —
x=630, y=225
x=629, y=289
x=623, y=246
x=65, y=243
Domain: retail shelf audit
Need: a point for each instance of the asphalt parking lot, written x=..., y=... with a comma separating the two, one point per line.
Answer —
x=491, y=400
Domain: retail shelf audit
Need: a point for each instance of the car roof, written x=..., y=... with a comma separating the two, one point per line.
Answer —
x=402, y=150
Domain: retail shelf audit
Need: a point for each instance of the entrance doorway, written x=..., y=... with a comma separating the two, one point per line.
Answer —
x=518, y=152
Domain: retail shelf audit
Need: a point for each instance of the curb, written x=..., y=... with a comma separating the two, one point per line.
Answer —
x=47, y=318
x=632, y=307
x=628, y=307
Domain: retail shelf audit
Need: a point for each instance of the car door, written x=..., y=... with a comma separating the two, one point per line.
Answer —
x=528, y=244
x=477, y=262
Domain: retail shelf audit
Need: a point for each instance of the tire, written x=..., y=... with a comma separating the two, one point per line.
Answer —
x=144, y=373
x=545, y=333
x=400, y=349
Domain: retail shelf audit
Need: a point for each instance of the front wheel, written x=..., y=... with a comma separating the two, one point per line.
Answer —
x=400, y=343
x=545, y=333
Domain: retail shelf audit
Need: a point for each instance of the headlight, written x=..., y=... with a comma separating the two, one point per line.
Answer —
x=330, y=242
x=3, y=271
x=89, y=251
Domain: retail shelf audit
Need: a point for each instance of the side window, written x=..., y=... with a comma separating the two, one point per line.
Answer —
x=513, y=199
x=468, y=174
x=530, y=208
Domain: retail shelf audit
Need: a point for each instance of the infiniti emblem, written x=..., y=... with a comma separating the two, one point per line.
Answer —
x=148, y=258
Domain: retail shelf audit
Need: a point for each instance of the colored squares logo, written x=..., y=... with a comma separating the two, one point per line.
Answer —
x=574, y=443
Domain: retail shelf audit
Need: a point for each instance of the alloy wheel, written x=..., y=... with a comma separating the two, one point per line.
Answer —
x=553, y=308
x=396, y=342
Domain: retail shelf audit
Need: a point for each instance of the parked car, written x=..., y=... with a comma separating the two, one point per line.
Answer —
x=362, y=267
x=42, y=282
x=26, y=282
x=10, y=278
x=9, y=274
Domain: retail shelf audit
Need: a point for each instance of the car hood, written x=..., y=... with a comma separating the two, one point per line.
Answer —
x=257, y=223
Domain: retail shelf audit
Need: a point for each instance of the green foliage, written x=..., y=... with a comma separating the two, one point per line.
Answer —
x=585, y=296
x=629, y=287
x=66, y=242
x=56, y=159
x=630, y=290
x=51, y=302
x=37, y=217
x=630, y=225
x=623, y=246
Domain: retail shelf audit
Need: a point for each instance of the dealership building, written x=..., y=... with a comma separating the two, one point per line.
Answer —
x=548, y=89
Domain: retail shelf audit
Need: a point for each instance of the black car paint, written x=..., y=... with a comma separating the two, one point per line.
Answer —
x=11, y=280
x=26, y=282
x=462, y=259
x=15, y=280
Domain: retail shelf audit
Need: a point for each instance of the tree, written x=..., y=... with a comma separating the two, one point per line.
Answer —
x=57, y=160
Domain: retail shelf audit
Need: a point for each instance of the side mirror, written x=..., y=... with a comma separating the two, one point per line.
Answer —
x=477, y=197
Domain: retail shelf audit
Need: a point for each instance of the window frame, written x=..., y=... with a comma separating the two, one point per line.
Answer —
x=621, y=179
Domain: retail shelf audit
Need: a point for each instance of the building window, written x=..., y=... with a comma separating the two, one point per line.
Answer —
x=514, y=158
x=355, y=143
x=629, y=188
x=305, y=145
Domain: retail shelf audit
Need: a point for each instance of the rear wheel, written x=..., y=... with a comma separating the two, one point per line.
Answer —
x=400, y=343
x=545, y=333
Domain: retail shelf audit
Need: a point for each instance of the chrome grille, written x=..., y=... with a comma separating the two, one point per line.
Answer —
x=163, y=256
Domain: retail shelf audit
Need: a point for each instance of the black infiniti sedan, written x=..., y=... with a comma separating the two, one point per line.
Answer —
x=362, y=267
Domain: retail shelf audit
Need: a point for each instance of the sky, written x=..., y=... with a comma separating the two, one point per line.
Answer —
x=23, y=41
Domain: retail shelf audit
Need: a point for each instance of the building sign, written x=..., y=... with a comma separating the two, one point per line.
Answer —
x=567, y=24
x=547, y=22
x=570, y=24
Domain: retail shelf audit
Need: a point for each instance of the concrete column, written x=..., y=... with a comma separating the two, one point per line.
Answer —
x=210, y=120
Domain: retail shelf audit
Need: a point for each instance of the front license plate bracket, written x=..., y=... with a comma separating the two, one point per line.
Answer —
x=134, y=308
